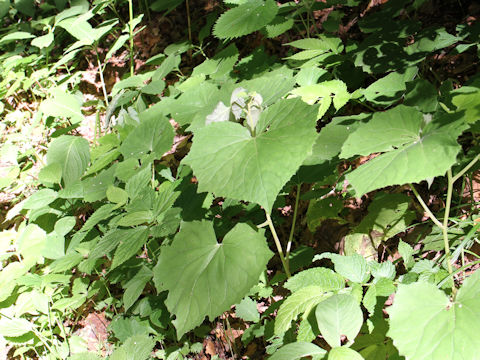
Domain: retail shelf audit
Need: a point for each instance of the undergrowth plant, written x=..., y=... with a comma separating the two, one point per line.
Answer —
x=167, y=220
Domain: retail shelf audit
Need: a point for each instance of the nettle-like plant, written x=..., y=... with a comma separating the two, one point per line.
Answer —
x=165, y=223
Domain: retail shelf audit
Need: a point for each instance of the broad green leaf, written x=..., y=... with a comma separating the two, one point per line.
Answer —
x=390, y=88
x=245, y=19
x=203, y=277
x=272, y=85
x=385, y=132
x=301, y=301
x=343, y=353
x=384, y=269
x=72, y=153
x=14, y=327
x=413, y=151
x=129, y=247
x=323, y=94
x=62, y=104
x=422, y=95
x=102, y=161
x=43, y=41
x=297, y=350
x=117, y=195
x=195, y=104
x=31, y=242
x=468, y=103
x=51, y=173
x=54, y=246
x=95, y=187
x=278, y=26
x=432, y=39
x=134, y=287
x=388, y=215
x=40, y=199
x=136, y=218
x=64, y=225
x=137, y=347
x=406, y=252
x=426, y=324
x=18, y=35
x=151, y=136
x=354, y=267
x=4, y=7
x=339, y=315
x=228, y=161
x=220, y=65
x=332, y=137
x=321, y=277
x=247, y=310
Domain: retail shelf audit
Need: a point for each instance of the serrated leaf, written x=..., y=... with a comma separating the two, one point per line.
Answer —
x=72, y=153
x=14, y=327
x=128, y=247
x=136, y=218
x=301, y=301
x=117, y=195
x=339, y=315
x=413, y=152
x=245, y=19
x=134, y=287
x=203, y=277
x=324, y=278
x=137, y=347
x=323, y=94
x=297, y=350
x=425, y=324
x=354, y=267
x=151, y=136
x=247, y=310
x=228, y=161
x=343, y=353
x=406, y=252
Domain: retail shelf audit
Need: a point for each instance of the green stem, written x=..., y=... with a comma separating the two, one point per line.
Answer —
x=466, y=168
x=292, y=230
x=278, y=244
x=189, y=27
x=130, y=27
x=459, y=270
x=446, y=243
x=425, y=207
x=102, y=81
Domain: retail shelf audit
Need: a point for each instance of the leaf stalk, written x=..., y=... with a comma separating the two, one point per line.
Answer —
x=278, y=244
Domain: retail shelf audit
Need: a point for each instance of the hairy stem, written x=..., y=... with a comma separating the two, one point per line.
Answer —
x=278, y=244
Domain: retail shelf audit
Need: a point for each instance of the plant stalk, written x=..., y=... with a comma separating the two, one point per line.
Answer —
x=446, y=216
x=278, y=244
x=425, y=207
x=292, y=230
x=130, y=27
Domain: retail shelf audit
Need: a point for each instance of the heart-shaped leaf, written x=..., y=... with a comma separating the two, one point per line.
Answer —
x=425, y=324
x=203, y=277
x=413, y=151
x=228, y=161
